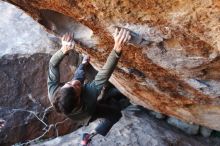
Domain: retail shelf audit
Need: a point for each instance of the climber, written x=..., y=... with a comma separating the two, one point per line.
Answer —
x=77, y=100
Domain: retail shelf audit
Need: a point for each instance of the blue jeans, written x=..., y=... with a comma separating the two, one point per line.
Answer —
x=107, y=114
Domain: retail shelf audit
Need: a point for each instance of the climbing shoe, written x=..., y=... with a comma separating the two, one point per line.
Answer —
x=86, y=138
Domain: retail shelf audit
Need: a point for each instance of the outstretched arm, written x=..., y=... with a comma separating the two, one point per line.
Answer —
x=53, y=80
x=106, y=71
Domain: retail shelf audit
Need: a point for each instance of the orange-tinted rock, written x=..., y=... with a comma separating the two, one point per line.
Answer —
x=180, y=68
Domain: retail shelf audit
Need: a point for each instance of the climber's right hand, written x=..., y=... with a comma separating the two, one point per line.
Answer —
x=86, y=59
x=120, y=38
x=67, y=43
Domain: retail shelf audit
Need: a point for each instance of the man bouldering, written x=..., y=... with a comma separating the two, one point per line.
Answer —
x=77, y=100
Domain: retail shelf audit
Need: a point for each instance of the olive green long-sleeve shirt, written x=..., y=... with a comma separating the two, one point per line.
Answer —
x=90, y=91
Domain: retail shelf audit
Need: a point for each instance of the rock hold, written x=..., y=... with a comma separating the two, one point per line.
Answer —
x=190, y=129
x=158, y=115
x=206, y=132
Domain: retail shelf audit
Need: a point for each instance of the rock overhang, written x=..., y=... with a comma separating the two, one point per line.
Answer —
x=179, y=69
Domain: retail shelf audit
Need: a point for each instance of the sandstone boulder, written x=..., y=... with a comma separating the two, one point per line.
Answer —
x=176, y=74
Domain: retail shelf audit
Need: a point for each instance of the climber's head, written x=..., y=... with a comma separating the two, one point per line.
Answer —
x=75, y=84
x=68, y=97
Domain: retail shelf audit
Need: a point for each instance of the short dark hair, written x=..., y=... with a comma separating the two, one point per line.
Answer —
x=65, y=100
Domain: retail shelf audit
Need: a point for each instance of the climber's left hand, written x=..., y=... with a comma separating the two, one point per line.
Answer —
x=67, y=43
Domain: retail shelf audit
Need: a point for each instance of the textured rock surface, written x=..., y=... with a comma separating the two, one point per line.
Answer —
x=24, y=95
x=21, y=35
x=177, y=74
x=136, y=128
x=206, y=132
x=188, y=128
